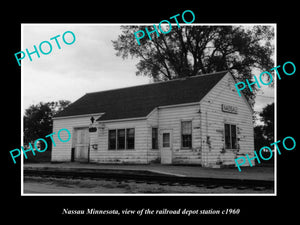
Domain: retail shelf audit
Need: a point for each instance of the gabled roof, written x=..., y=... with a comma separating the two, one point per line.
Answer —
x=139, y=101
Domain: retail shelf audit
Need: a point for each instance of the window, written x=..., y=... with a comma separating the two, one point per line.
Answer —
x=130, y=138
x=233, y=137
x=186, y=134
x=230, y=136
x=112, y=139
x=154, y=138
x=121, y=139
x=166, y=140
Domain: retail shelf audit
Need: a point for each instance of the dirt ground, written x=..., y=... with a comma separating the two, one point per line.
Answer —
x=256, y=173
x=40, y=185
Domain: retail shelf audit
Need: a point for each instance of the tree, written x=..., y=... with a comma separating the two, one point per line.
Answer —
x=260, y=139
x=192, y=50
x=267, y=117
x=38, y=120
x=264, y=133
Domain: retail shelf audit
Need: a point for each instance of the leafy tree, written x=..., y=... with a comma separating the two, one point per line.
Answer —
x=264, y=134
x=267, y=117
x=260, y=139
x=38, y=120
x=193, y=50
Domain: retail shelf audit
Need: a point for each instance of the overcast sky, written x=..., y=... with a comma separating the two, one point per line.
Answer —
x=87, y=65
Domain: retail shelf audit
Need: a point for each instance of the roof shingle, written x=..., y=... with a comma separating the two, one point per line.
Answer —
x=139, y=101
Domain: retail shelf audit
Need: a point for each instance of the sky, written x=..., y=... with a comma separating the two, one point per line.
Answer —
x=88, y=65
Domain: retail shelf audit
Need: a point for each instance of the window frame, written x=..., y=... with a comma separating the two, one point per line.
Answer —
x=154, y=146
x=126, y=138
x=119, y=137
x=169, y=140
x=116, y=144
x=181, y=135
x=115, y=139
x=230, y=137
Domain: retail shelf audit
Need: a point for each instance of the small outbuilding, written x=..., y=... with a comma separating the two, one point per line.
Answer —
x=194, y=120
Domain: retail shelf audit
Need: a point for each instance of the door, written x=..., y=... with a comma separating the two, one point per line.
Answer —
x=81, y=145
x=166, y=147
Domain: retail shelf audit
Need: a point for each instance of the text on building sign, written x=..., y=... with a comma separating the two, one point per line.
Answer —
x=229, y=108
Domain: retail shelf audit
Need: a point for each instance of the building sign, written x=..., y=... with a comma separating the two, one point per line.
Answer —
x=92, y=129
x=229, y=108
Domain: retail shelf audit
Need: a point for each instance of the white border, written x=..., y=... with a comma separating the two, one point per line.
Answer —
x=163, y=194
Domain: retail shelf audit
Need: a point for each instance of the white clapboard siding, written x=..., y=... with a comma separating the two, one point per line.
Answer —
x=153, y=155
x=137, y=155
x=170, y=118
x=213, y=119
x=207, y=121
x=62, y=151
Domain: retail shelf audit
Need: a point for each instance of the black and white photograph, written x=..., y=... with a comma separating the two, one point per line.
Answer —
x=107, y=111
x=149, y=112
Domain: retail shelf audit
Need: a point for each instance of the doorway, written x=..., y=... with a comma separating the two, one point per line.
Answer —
x=166, y=147
x=81, y=145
